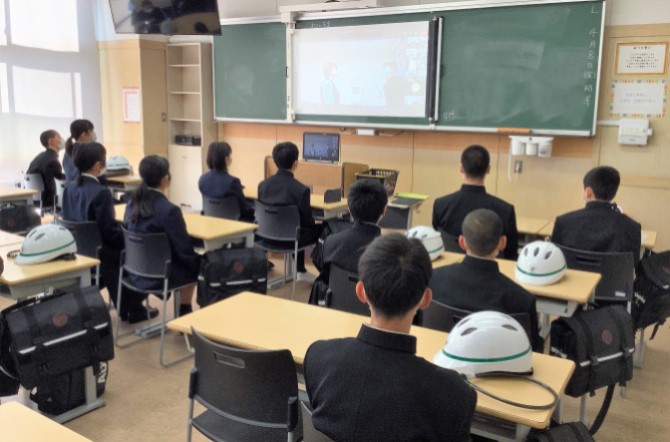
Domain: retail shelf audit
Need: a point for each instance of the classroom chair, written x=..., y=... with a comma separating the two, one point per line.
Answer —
x=60, y=189
x=147, y=255
x=341, y=294
x=249, y=395
x=89, y=242
x=309, y=433
x=450, y=242
x=228, y=207
x=34, y=181
x=279, y=231
x=616, y=268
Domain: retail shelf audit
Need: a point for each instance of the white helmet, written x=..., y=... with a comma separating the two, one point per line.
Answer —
x=118, y=163
x=44, y=243
x=430, y=238
x=540, y=263
x=485, y=342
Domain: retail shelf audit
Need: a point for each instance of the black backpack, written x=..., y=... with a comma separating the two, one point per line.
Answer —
x=227, y=272
x=18, y=218
x=651, y=302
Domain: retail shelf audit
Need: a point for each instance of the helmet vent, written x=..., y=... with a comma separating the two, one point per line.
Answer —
x=40, y=236
x=468, y=331
x=547, y=254
x=509, y=327
x=536, y=251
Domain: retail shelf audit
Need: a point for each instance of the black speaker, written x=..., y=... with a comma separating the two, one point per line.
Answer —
x=188, y=140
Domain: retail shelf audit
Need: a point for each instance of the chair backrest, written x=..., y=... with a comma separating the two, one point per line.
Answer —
x=247, y=385
x=309, y=433
x=60, y=189
x=450, y=242
x=86, y=234
x=342, y=292
x=616, y=268
x=227, y=207
x=34, y=181
x=332, y=195
x=147, y=254
x=443, y=317
x=279, y=223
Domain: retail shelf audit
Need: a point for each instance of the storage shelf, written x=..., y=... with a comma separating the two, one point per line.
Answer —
x=189, y=120
x=183, y=93
x=183, y=65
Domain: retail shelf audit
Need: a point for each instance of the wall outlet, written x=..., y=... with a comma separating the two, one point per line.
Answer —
x=518, y=166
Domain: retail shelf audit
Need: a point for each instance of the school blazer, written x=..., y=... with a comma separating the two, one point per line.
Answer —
x=47, y=165
x=215, y=184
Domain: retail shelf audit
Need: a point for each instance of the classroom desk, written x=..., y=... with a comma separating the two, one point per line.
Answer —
x=399, y=216
x=648, y=236
x=20, y=423
x=530, y=226
x=8, y=239
x=261, y=322
x=124, y=182
x=561, y=298
x=214, y=232
x=320, y=209
x=20, y=282
x=9, y=194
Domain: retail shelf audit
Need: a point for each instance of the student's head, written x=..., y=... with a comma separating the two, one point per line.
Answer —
x=483, y=233
x=601, y=183
x=475, y=162
x=367, y=201
x=394, y=274
x=90, y=158
x=155, y=171
x=81, y=131
x=50, y=139
x=219, y=156
x=285, y=155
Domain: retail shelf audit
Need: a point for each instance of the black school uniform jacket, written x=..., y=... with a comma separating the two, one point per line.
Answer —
x=449, y=212
x=215, y=184
x=282, y=189
x=374, y=388
x=598, y=227
x=47, y=165
x=476, y=284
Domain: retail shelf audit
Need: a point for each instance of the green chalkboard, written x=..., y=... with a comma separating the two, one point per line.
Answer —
x=250, y=72
x=529, y=66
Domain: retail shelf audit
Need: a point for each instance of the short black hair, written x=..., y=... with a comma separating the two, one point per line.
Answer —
x=216, y=156
x=604, y=181
x=367, y=200
x=86, y=155
x=482, y=229
x=285, y=154
x=475, y=161
x=46, y=136
x=395, y=272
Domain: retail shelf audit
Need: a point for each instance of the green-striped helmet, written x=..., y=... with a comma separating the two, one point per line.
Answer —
x=45, y=243
x=540, y=263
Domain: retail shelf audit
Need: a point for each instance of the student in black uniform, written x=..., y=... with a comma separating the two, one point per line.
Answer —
x=374, y=387
x=85, y=199
x=367, y=201
x=449, y=211
x=600, y=226
x=46, y=163
x=282, y=189
x=476, y=283
x=149, y=211
x=218, y=183
x=81, y=131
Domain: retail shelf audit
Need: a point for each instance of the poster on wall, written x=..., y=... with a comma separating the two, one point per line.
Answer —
x=648, y=58
x=131, y=105
x=638, y=98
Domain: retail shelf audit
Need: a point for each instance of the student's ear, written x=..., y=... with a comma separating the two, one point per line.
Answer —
x=462, y=170
x=295, y=165
x=502, y=243
x=462, y=243
x=381, y=217
x=588, y=193
x=426, y=300
x=488, y=169
x=360, y=292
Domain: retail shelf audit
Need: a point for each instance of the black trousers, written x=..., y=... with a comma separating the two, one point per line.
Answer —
x=110, y=260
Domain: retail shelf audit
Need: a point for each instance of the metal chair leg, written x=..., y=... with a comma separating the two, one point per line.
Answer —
x=177, y=302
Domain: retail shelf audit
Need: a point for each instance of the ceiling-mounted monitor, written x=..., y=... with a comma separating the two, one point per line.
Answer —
x=167, y=17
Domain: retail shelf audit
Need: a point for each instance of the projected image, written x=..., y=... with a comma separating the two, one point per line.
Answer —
x=371, y=70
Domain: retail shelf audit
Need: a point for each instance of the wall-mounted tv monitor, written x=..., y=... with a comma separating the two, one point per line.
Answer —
x=168, y=17
x=379, y=70
x=323, y=148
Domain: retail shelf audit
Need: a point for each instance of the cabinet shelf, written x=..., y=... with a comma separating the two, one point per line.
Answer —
x=188, y=120
x=183, y=65
x=183, y=93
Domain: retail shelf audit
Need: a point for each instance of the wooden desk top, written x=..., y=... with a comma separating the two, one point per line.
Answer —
x=576, y=285
x=7, y=238
x=201, y=226
x=262, y=322
x=315, y=200
x=124, y=179
x=7, y=192
x=19, y=422
x=20, y=274
x=530, y=226
x=648, y=236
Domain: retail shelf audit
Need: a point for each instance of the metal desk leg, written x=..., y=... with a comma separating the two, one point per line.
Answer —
x=638, y=355
x=582, y=410
x=92, y=402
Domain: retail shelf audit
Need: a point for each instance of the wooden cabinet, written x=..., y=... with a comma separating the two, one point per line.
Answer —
x=190, y=118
